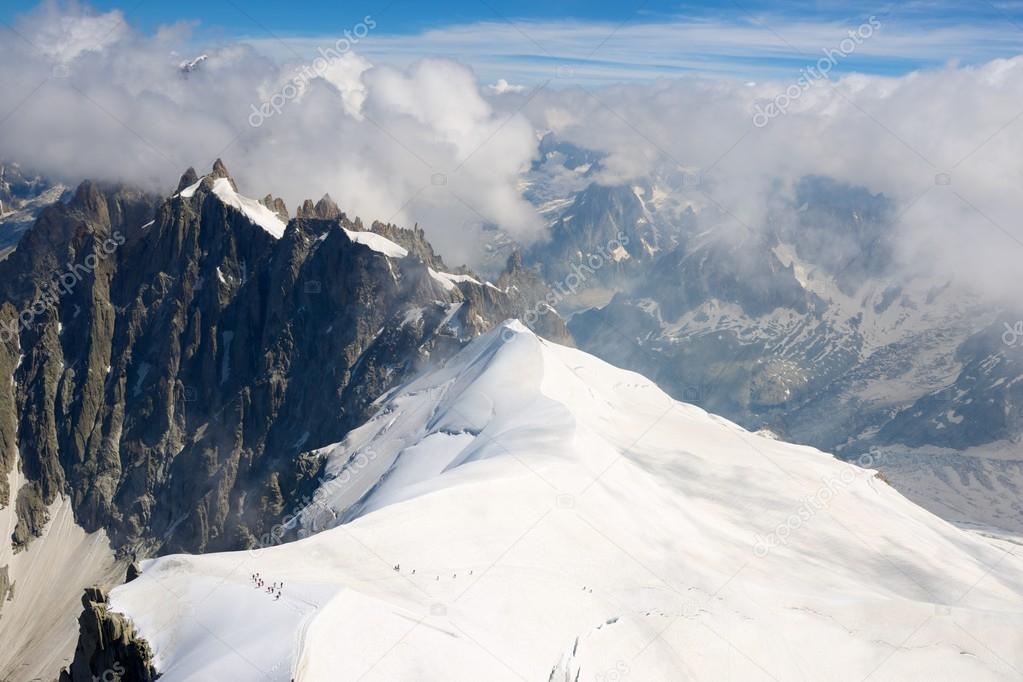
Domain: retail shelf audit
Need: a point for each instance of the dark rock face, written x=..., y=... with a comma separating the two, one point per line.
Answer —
x=752, y=278
x=985, y=403
x=599, y=221
x=188, y=178
x=842, y=229
x=172, y=360
x=31, y=512
x=57, y=326
x=6, y=586
x=570, y=156
x=108, y=647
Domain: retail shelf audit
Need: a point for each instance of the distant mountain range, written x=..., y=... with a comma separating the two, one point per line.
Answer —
x=185, y=371
x=806, y=327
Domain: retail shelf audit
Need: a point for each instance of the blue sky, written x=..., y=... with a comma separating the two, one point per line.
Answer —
x=526, y=41
x=313, y=17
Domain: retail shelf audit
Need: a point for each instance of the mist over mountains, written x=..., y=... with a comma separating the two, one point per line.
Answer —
x=354, y=326
x=427, y=144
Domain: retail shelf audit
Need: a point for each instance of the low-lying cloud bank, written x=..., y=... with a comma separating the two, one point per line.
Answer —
x=88, y=96
x=943, y=145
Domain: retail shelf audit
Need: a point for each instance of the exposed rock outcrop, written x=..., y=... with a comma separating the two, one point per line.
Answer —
x=108, y=647
x=276, y=204
x=6, y=586
x=172, y=359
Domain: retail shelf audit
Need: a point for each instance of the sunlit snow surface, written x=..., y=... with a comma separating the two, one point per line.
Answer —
x=378, y=243
x=256, y=212
x=449, y=281
x=556, y=518
x=252, y=209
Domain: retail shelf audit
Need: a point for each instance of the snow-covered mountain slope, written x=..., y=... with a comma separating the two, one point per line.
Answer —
x=530, y=512
x=41, y=589
x=257, y=213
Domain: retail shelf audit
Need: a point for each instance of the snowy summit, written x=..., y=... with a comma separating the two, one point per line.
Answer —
x=530, y=512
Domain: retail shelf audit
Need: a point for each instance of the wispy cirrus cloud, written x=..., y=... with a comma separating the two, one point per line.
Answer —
x=744, y=45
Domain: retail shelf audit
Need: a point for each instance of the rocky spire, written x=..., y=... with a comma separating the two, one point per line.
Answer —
x=324, y=209
x=188, y=178
x=327, y=209
x=276, y=204
x=306, y=210
x=90, y=198
x=514, y=263
x=220, y=171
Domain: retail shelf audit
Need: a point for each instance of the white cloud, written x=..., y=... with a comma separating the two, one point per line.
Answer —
x=65, y=32
x=502, y=86
x=406, y=145
x=420, y=143
x=345, y=74
x=891, y=135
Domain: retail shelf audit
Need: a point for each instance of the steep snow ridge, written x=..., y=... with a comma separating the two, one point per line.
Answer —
x=449, y=421
x=250, y=208
x=377, y=243
x=256, y=212
x=551, y=514
x=189, y=191
x=450, y=281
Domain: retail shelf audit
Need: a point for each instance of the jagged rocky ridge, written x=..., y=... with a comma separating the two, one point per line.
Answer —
x=180, y=358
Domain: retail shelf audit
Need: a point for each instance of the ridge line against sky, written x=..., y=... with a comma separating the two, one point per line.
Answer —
x=599, y=42
x=104, y=96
